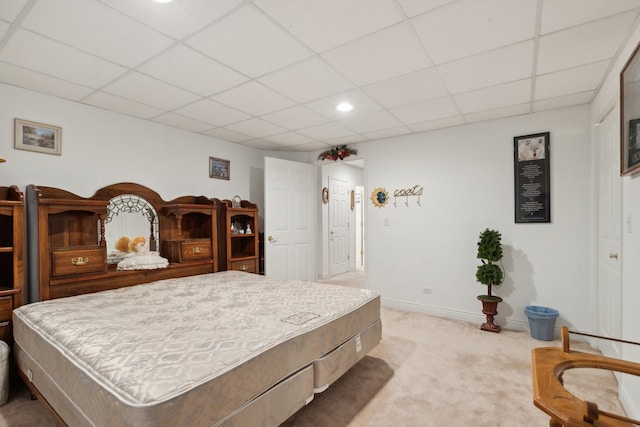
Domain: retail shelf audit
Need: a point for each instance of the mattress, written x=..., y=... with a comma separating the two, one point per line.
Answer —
x=188, y=351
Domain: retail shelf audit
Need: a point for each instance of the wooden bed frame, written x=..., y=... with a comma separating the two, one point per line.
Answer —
x=72, y=260
x=565, y=409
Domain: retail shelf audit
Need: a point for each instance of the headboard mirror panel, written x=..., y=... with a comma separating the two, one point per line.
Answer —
x=129, y=215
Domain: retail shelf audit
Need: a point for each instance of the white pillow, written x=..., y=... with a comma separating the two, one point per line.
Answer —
x=144, y=261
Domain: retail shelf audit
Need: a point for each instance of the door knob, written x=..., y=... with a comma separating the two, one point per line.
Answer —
x=613, y=256
x=271, y=239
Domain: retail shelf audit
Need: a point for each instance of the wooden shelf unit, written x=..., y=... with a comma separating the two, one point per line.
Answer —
x=8, y=299
x=238, y=249
x=12, y=244
x=72, y=254
x=191, y=233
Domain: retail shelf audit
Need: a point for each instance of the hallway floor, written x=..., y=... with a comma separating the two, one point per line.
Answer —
x=354, y=279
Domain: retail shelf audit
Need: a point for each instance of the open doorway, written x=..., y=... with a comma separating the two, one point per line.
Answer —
x=350, y=175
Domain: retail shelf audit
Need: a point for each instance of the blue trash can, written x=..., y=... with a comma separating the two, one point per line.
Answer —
x=542, y=321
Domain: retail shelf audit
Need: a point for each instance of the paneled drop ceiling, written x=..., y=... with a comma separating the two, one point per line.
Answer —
x=269, y=73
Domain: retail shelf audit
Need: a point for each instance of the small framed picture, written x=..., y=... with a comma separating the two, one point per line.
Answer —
x=32, y=136
x=219, y=168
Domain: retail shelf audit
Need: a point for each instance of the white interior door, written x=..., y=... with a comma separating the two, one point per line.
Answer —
x=609, y=230
x=289, y=219
x=359, y=226
x=338, y=226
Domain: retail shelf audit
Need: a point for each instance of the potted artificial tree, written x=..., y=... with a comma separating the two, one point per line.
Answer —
x=490, y=274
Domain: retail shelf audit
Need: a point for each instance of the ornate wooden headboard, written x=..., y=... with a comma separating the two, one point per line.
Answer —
x=73, y=239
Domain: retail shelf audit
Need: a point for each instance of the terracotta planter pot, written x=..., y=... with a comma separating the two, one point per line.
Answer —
x=489, y=309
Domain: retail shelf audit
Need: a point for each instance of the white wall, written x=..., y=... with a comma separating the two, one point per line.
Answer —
x=609, y=95
x=101, y=148
x=467, y=175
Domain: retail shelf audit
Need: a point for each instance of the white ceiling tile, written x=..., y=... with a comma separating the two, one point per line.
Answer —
x=45, y=54
x=177, y=19
x=432, y=109
x=295, y=118
x=9, y=9
x=326, y=131
x=4, y=27
x=350, y=139
x=182, y=122
x=261, y=144
x=314, y=146
x=209, y=111
x=326, y=24
x=121, y=105
x=417, y=7
x=309, y=147
x=308, y=80
x=494, y=97
x=326, y=107
x=584, y=44
x=91, y=26
x=228, y=135
x=150, y=91
x=377, y=56
x=437, y=124
x=498, y=113
x=573, y=80
x=289, y=139
x=371, y=122
x=564, y=101
x=558, y=15
x=467, y=27
x=249, y=42
x=407, y=89
x=188, y=69
x=253, y=98
x=256, y=127
x=39, y=82
x=501, y=65
x=387, y=133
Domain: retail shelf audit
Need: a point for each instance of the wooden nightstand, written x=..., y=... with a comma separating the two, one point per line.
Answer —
x=6, y=307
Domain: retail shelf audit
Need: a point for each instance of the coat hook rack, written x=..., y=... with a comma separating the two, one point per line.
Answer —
x=415, y=191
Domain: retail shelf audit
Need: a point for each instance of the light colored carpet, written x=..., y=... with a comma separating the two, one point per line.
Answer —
x=354, y=279
x=427, y=371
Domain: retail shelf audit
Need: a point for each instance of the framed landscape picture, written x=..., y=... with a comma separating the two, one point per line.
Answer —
x=219, y=168
x=32, y=136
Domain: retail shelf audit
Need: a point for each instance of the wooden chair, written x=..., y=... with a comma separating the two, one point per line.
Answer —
x=565, y=409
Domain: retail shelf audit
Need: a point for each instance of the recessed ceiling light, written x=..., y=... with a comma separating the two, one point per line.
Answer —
x=163, y=1
x=344, y=107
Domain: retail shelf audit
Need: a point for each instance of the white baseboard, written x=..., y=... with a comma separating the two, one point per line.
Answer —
x=516, y=325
